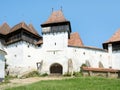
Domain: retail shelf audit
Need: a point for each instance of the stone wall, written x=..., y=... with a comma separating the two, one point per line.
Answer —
x=112, y=73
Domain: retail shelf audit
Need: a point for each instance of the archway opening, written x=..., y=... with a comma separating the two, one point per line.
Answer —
x=56, y=69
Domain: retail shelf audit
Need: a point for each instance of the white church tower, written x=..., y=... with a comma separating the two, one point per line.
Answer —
x=21, y=47
x=56, y=32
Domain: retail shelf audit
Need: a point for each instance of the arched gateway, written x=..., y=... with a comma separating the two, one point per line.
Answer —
x=56, y=69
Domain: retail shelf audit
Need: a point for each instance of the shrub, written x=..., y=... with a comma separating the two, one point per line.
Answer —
x=83, y=65
x=44, y=74
x=31, y=74
x=77, y=74
x=10, y=77
x=67, y=74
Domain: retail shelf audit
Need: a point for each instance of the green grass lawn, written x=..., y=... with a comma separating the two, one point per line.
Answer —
x=80, y=83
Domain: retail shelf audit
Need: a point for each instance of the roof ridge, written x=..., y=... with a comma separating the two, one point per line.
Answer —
x=19, y=25
x=24, y=26
x=4, y=24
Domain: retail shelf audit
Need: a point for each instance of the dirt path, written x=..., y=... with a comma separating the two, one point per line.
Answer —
x=20, y=82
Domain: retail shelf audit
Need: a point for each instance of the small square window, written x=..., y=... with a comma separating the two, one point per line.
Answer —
x=84, y=53
x=29, y=56
x=75, y=50
x=55, y=43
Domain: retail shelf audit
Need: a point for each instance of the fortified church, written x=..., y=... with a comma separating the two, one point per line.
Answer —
x=57, y=51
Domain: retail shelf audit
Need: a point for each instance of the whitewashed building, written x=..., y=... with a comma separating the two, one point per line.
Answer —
x=2, y=62
x=57, y=51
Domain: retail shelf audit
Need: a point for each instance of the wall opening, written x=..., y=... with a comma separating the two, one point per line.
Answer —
x=56, y=68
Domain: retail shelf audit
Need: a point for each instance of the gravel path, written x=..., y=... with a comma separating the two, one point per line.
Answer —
x=20, y=82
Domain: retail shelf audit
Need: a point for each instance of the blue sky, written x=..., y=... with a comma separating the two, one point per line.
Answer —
x=95, y=20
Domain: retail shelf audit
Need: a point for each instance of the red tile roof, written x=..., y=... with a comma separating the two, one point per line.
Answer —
x=115, y=37
x=33, y=29
x=75, y=40
x=55, y=17
x=94, y=48
x=100, y=69
x=4, y=29
x=19, y=26
x=23, y=25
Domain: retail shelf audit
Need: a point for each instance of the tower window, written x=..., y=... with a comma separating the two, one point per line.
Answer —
x=84, y=53
x=15, y=55
x=29, y=56
x=55, y=43
x=75, y=50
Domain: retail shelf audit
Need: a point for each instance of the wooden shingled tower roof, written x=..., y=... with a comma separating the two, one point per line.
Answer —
x=4, y=29
x=115, y=37
x=33, y=30
x=114, y=40
x=23, y=25
x=19, y=26
x=56, y=17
